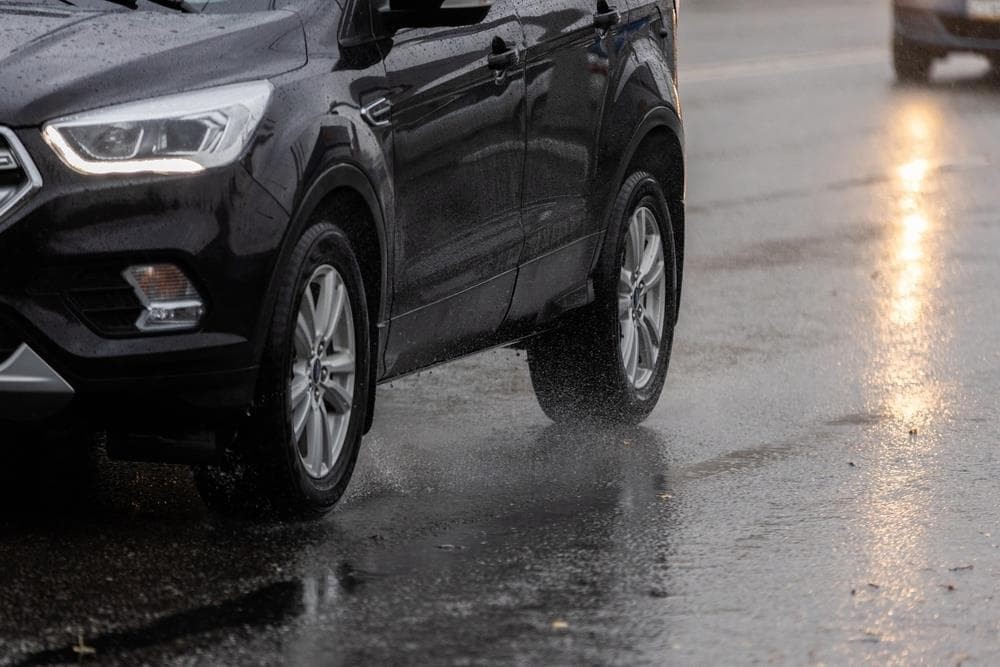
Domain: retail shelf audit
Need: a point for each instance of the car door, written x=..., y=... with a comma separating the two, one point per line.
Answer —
x=456, y=103
x=569, y=44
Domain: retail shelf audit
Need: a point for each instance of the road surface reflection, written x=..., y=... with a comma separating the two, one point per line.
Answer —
x=901, y=385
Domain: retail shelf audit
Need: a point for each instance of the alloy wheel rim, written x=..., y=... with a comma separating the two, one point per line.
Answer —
x=321, y=379
x=642, y=298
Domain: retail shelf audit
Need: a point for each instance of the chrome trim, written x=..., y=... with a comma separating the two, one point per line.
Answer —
x=32, y=179
x=377, y=113
x=24, y=372
x=7, y=161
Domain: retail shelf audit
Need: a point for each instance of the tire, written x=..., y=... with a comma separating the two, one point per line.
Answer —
x=579, y=371
x=294, y=454
x=911, y=63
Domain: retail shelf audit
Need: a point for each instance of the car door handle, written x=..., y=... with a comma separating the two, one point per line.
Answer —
x=502, y=57
x=606, y=17
x=503, y=60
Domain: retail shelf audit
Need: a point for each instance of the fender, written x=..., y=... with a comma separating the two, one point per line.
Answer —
x=645, y=100
x=340, y=175
x=656, y=118
x=350, y=176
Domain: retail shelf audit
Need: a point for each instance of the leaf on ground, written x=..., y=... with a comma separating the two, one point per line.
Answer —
x=81, y=649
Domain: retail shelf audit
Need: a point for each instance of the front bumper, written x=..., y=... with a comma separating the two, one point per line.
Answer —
x=64, y=248
x=944, y=26
x=29, y=388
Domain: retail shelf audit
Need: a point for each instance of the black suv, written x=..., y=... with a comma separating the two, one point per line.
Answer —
x=223, y=222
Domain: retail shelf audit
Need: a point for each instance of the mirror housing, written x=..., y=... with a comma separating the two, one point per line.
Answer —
x=396, y=14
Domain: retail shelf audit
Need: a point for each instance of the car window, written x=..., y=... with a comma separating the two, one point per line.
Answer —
x=357, y=24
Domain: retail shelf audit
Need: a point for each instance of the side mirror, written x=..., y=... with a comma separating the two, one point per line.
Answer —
x=397, y=14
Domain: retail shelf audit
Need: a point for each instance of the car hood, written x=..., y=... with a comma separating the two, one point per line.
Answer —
x=55, y=62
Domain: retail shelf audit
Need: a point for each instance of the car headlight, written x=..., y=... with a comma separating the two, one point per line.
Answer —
x=176, y=134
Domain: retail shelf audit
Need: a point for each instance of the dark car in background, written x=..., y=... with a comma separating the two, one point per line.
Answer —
x=223, y=223
x=924, y=30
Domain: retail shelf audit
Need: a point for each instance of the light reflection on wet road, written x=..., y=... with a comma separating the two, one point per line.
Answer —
x=901, y=386
x=817, y=486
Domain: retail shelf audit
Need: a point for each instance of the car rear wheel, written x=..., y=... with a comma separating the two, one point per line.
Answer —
x=609, y=361
x=912, y=63
x=296, y=452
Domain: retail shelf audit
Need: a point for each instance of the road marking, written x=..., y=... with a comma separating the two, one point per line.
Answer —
x=775, y=66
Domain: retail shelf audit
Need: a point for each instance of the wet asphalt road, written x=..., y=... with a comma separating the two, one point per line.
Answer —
x=818, y=484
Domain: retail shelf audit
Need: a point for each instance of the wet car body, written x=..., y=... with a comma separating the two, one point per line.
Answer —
x=479, y=208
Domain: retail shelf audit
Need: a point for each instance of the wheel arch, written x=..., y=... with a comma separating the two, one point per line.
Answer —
x=657, y=146
x=340, y=188
x=344, y=195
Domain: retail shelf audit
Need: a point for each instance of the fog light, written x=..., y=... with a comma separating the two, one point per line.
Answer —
x=170, y=302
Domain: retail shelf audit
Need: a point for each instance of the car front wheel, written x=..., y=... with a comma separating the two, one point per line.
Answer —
x=294, y=455
x=609, y=361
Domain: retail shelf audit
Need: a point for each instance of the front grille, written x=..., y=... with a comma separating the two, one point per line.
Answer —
x=18, y=175
x=9, y=342
x=969, y=29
